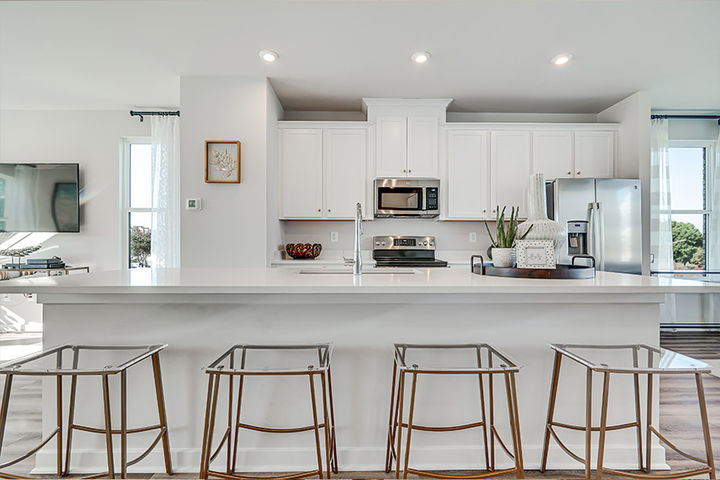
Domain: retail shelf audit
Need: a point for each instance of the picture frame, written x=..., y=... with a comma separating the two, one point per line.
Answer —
x=535, y=254
x=222, y=161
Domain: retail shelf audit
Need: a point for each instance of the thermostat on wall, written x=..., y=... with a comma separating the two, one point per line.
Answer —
x=193, y=203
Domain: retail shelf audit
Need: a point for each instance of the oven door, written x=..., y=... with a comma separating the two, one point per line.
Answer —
x=399, y=201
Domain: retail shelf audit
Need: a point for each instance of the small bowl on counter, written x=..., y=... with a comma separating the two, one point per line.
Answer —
x=303, y=251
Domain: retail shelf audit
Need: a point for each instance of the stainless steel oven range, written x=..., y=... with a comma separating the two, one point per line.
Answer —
x=405, y=251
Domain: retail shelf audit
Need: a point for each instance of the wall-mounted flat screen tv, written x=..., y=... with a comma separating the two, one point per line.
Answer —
x=39, y=197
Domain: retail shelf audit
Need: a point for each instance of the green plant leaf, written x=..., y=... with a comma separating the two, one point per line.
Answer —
x=492, y=240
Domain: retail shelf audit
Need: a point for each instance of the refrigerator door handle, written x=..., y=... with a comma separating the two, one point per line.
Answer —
x=592, y=241
x=601, y=234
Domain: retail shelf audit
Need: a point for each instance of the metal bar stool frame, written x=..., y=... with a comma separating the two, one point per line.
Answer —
x=561, y=350
x=216, y=370
x=15, y=368
x=506, y=367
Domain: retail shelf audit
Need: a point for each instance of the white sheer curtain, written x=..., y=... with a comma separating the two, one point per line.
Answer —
x=165, y=243
x=660, y=220
x=713, y=234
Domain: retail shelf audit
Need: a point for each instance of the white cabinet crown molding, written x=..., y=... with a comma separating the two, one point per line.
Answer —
x=530, y=126
x=406, y=102
x=321, y=124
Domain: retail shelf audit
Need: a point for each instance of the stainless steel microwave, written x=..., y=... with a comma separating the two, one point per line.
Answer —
x=400, y=197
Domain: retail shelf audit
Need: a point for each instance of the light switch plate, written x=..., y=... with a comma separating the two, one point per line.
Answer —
x=193, y=204
x=333, y=236
x=472, y=237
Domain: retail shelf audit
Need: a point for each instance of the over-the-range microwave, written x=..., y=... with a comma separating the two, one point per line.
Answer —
x=401, y=197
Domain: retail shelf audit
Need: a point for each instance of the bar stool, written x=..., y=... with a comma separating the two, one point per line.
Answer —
x=658, y=362
x=407, y=362
x=32, y=365
x=225, y=366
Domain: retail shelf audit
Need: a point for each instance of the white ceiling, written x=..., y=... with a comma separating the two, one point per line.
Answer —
x=489, y=55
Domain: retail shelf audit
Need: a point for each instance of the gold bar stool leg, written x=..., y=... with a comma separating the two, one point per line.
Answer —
x=512, y=420
x=5, y=406
x=391, y=424
x=162, y=413
x=315, y=425
x=108, y=426
x=705, y=425
x=491, y=393
x=71, y=414
x=58, y=414
x=410, y=423
x=551, y=409
x=206, y=429
x=588, y=422
x=648, y=424
x=401, y=396
x=332, y=420
x=603, y=424
x=241, y=383
x=123, y=425
x=482, y=410
x=326, y=419
x=638, y=415
x=519, y=464
x=228, y=460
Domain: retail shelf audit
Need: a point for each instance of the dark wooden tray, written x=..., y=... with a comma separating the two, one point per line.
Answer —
x=560, y=272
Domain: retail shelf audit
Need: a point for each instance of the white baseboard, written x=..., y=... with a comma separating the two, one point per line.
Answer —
x=462, y=457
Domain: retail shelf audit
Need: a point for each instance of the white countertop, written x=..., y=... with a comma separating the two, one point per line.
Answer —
x=289, y=281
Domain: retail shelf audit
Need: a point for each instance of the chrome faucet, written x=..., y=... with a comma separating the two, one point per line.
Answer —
x=357, y=255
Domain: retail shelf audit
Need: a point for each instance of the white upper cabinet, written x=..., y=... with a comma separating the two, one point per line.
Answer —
x=345, y=159
x=509, y=170
x=301, y=172
x=407, y=146
x=594, y=154
x=392, y=146
x=468, y=169
x=422, y=149
x=552, y=154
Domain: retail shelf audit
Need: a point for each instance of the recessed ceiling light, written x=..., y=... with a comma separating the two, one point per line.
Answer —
x=420, y=57
x=268, y=55
x=561, y=59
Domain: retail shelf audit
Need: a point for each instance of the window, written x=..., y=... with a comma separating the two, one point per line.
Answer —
x=689, y=187
x=137, y=202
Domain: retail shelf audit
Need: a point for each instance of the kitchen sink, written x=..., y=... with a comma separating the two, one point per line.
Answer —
x=348, y=271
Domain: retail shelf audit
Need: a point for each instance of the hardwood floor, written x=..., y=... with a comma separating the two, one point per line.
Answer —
x=679, y=417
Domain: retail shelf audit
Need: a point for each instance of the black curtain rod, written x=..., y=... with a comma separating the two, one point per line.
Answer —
x=134, y=113
x=696, y=117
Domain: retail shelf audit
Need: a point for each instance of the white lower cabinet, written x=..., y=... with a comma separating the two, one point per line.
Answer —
x=345, y=159
x=322, y=172
x=509, y=170
x=301, y=172
x=468, y=167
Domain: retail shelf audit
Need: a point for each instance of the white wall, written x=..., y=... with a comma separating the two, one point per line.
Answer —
x=633, y=115
x=92, y=139
x=231, y=229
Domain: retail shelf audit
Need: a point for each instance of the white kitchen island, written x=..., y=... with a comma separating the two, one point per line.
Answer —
x=200, y=313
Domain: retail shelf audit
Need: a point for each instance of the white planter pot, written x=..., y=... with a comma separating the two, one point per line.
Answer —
x=503, y=257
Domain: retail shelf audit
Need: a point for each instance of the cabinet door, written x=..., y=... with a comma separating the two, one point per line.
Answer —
x=468, y=174
x=552, y=154
x=344, y=172
x=391, y=146
x=301, y=173
x=594, y=154
x=422, y=153
x=509, y=170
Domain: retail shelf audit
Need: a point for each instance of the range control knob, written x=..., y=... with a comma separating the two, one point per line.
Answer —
x=382, y=243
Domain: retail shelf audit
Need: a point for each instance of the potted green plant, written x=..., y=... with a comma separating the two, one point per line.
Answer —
x=502, y=251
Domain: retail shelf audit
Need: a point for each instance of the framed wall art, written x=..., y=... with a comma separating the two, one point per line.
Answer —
x=535, y=254
x=222, y=161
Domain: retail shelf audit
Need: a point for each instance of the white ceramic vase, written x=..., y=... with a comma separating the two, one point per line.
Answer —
x=542, y=227
x=503, y=257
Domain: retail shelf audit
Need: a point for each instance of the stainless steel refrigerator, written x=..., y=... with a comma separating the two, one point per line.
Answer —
x=602, y=218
